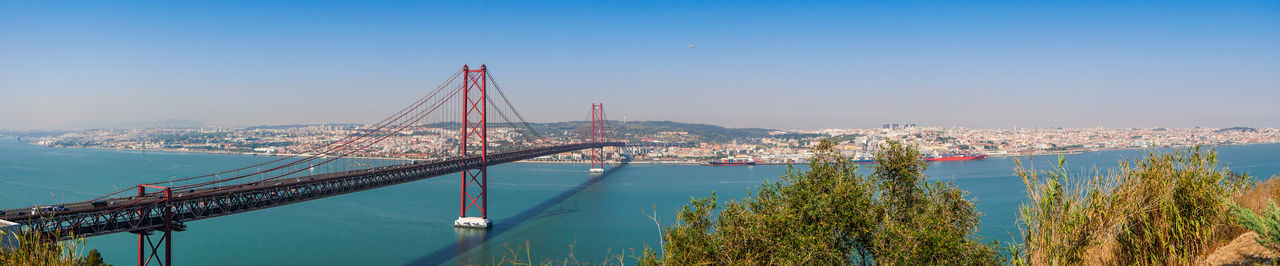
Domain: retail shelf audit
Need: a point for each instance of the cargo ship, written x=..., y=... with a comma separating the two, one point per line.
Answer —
x=954, y=157
x=731, y=162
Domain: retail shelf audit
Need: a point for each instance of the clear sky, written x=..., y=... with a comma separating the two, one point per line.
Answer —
x=783, y=64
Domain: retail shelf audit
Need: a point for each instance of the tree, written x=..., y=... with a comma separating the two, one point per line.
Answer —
x=830, y=214
x=924, y=222
x=94, y=259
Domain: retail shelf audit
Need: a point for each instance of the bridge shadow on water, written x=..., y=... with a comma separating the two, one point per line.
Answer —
x=471, y=238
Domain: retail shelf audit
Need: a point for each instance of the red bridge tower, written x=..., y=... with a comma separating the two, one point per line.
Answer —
x=597, y=136
x=475, y=186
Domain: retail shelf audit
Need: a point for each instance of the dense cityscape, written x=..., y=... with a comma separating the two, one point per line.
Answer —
x=697, y=146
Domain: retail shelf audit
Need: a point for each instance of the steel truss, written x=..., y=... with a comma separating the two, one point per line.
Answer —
x=154, y=212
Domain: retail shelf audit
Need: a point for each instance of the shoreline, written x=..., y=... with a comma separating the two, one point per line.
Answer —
x=686, y=162
x=1118, y=149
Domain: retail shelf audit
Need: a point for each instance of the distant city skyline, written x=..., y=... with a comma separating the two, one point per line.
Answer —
x=780, y=65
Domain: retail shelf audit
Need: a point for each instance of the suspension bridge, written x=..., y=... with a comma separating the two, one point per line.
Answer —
x=459, y=138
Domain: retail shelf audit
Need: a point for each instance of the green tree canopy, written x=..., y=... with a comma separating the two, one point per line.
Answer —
x=830, y=214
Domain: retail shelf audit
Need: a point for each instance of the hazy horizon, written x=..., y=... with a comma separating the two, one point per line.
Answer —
x=184, y=123
x=781, y=65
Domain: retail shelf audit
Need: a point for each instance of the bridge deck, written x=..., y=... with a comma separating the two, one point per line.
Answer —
x=132, y=214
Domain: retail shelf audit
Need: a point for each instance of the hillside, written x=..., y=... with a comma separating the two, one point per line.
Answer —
x=661, y=130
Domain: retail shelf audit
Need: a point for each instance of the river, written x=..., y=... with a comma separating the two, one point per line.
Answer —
x=557, y=209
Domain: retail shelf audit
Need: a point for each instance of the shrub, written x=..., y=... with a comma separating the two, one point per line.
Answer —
x=1266, y=225
x=830, y=214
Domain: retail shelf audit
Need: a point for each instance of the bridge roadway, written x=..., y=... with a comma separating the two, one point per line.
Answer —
x=128, y=214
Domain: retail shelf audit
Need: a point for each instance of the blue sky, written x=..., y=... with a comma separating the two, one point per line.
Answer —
x=778, y=64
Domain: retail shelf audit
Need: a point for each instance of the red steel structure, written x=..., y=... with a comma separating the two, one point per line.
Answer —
x=475, y=131
x=145, y=244
x=597, y=135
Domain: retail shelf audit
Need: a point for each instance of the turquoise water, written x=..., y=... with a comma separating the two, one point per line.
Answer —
x=550, y=206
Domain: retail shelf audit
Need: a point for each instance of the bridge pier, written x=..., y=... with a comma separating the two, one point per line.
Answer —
x=472, y=222
x=149, y=250
x=145, y=243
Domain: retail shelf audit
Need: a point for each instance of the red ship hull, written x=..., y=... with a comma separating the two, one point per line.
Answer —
x=956, y=158
x=730, y=163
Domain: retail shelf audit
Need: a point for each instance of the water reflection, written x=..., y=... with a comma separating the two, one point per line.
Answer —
x=469, y=238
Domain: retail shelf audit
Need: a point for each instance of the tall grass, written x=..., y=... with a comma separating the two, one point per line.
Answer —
x=42, y=249
x=1164, y=208
x=522, y=256
x=1064, y=217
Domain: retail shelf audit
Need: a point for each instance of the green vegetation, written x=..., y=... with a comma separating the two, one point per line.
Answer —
x=1266, y=225
x=1241, y=129
x=631, y=129
x=830, y=214
x=190, y=137
x=700, y=132
x=1165, y=208
x=348, y=125
x=270, y=144
x=41, y=249
x=75, y=143
x=94, y=259
x=522, y=255
x=1261, y=199
x=848, y=137
x=798, y=136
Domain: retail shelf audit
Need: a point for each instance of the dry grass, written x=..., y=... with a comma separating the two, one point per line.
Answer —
x=1256, y=198
x=1165, y=208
